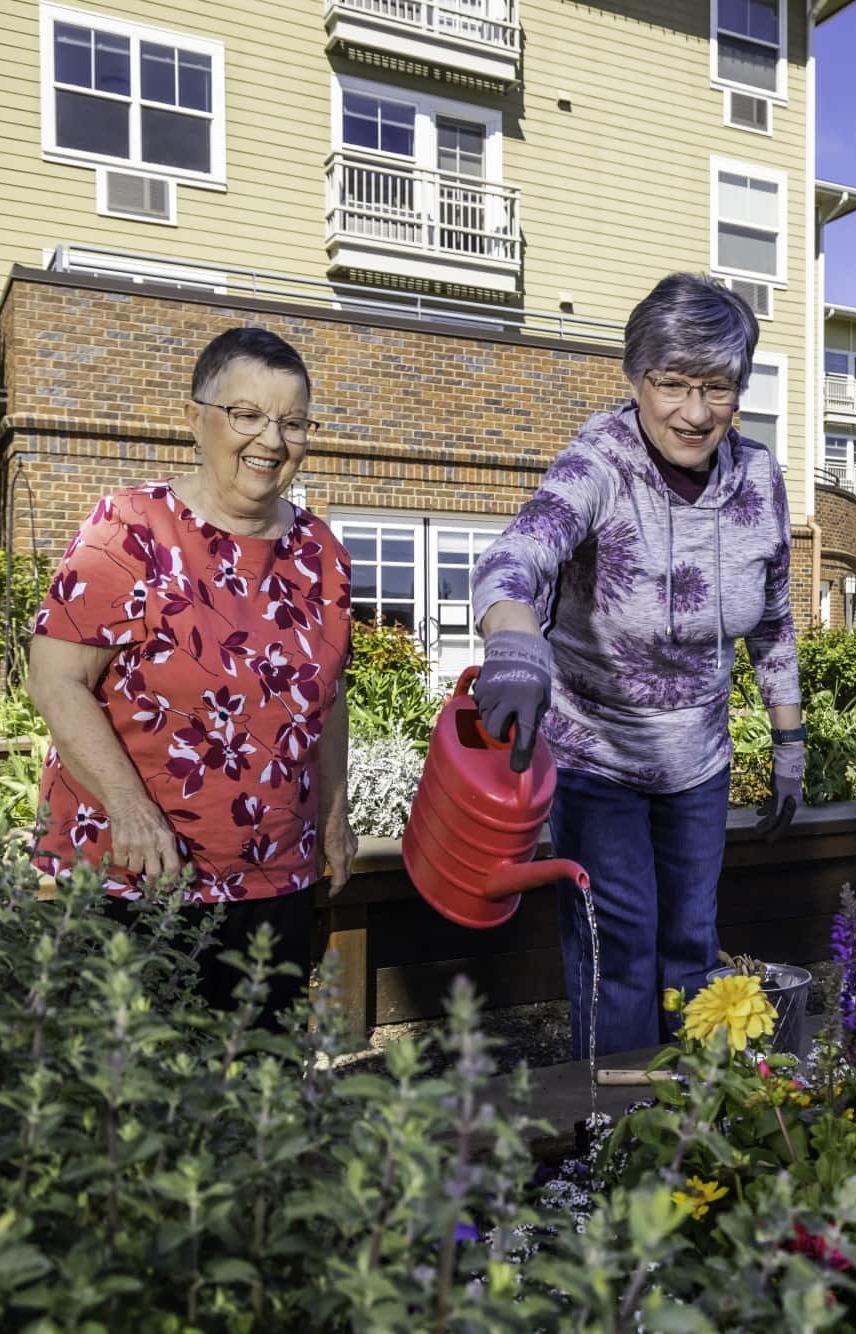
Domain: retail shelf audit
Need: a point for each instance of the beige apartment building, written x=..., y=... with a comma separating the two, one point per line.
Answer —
x=451, y=206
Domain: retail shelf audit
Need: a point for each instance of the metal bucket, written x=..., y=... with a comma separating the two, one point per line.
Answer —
x=786, y=987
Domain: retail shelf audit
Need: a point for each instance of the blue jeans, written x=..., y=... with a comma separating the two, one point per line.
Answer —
x=654, y=863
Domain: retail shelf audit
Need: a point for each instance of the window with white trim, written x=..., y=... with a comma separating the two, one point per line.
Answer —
x=415, y=572
x=838, y=458
x=411, y=163
x=749, y=44
x=128, y=94
x=748, y=216
x=762, y=405
x=837, y=361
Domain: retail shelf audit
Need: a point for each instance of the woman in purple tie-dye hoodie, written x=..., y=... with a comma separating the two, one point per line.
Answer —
x=610, y=607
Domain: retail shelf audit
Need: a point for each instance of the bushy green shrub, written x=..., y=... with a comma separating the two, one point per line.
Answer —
x=165, y=1169
x=28, y=585
x=827, y=666
x=388, y=685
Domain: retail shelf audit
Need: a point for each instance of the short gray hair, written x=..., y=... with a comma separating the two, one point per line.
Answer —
x=691, y=323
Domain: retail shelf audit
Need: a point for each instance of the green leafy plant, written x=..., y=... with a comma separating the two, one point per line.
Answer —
x=20, y=777
x=388, y=685
x=166, y=1169
x=30, y=576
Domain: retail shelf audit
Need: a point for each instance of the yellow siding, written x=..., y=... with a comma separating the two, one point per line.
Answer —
x=840, y=333
x=615, y=192
x=277, y=137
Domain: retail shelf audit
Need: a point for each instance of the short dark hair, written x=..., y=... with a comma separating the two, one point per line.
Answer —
x=245, y=344
x=691, y=323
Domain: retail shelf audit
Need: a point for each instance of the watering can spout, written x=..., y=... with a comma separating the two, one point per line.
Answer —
x=517, y=877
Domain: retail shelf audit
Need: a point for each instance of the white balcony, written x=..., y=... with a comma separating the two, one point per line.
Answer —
x=839, y=396
x=477, y=37
x=421, y=224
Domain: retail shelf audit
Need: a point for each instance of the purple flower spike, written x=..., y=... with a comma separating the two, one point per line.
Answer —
x=466, y=1232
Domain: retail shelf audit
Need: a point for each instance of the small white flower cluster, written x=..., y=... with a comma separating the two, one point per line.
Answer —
x=383, y=775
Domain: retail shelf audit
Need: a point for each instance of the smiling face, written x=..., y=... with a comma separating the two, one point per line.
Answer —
x=686, y=433
x=243, y=476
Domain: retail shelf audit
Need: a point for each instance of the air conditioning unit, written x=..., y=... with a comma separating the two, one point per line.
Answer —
x=745, y=112
x=131, y=195
x=758, y=296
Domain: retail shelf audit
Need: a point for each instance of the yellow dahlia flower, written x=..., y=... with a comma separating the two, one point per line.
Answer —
x=672, y=999
x=699, y=1195
x=735, y=1003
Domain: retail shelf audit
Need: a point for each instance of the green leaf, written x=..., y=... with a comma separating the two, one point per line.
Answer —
x=231, y=1271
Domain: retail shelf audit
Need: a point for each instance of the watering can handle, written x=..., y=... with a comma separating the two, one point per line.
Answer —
x=524, y=785
x=516, y=877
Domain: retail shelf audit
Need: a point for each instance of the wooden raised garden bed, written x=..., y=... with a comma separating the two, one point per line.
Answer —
x=399, y=956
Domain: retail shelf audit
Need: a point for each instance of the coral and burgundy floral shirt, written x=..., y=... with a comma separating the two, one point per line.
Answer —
x=231, y=653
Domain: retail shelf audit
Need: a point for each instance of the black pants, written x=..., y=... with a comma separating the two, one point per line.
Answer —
x=290, y=916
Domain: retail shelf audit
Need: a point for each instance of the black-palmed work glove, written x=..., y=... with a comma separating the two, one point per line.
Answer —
x=513, y=686
x=786, y=783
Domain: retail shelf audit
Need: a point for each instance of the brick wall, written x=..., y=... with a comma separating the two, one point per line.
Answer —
x=836, y=513
x=414, y=417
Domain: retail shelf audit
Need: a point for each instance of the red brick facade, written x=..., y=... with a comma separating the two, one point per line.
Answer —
x=836, y=513
x=414, y=417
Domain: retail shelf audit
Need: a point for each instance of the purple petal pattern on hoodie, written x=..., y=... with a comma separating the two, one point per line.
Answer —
x=689, y=588
x=576, y=743
x=604, y=567
x=746, y=505
x=570, y=466
x=660, y=673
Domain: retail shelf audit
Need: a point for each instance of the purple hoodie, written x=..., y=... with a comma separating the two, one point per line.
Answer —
x=642, y=596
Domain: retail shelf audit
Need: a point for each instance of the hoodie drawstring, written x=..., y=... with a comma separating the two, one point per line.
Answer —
x=668, y=628
x=717, y=588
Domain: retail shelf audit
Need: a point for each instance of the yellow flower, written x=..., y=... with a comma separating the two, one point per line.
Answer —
x=701, y=1195
x=735, y=1003
x=672, y=999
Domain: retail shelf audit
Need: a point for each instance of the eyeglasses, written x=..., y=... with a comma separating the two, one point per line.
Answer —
x=719, y=393
x=249, y=421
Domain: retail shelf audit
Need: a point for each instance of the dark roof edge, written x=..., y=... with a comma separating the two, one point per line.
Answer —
x=126, y=286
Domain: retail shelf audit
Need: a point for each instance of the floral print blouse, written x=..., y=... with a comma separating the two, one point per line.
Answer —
x=230, y=654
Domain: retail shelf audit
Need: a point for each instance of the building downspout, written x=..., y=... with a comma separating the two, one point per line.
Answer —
x=814, y=529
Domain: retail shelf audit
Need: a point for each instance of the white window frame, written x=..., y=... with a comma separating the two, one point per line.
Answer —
x=727, y=94
x=50, y=14
x=823, y=609
x=428, y=109
x=778, y=95
x=777, y=361
x=103, y=209
x=756, y=172
x=425, y=527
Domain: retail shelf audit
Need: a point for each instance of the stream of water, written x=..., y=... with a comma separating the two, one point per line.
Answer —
x=595, y=989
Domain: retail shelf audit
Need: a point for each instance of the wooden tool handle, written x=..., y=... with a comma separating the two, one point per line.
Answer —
x=631, y=1076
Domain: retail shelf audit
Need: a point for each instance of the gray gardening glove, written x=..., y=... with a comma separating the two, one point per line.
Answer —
x=786, y=781
x=513, y=686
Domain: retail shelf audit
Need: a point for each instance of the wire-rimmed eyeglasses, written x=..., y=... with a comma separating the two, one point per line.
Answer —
x=673, y=389
x=251, y=421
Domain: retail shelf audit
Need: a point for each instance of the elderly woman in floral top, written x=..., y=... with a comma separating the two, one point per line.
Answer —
x=188, y=659
x=610, y=607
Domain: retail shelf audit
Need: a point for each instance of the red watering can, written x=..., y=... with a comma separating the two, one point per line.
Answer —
x=474, y=823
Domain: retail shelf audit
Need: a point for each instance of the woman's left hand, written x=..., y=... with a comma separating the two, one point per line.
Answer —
x=337, y=846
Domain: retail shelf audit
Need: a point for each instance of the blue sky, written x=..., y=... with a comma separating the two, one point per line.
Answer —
x=836, y=143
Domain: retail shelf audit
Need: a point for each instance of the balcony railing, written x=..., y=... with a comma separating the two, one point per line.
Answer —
x=840, y=394
x=841, y=475
x=433, y=215
x=492, y=23
x=452, y=33
x=129, y=266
